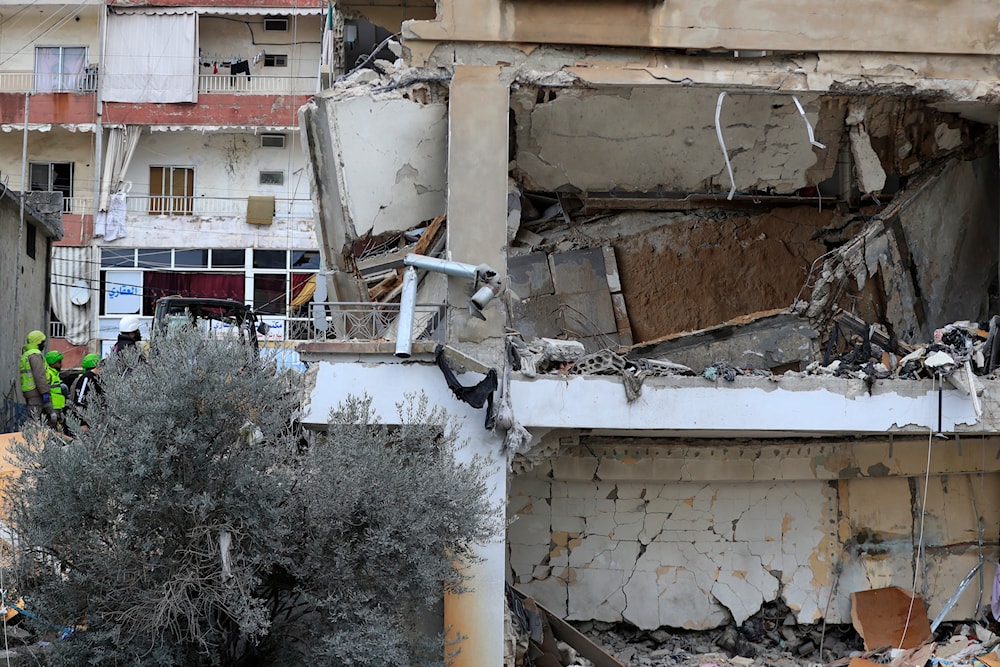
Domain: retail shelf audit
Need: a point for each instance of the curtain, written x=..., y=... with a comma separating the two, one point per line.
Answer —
x=202, y=285
x=73, y=266
x=151, y=58
x=122, y=141
x=303, y=288
x=46, y=68
x=74, y=63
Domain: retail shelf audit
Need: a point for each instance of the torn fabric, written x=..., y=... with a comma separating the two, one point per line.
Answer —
x=475, y=395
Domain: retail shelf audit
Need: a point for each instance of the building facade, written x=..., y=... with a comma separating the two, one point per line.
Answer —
x=171, y=131
x=721, y=230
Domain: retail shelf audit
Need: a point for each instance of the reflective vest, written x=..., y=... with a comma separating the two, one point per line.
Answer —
x=27, y=379
x=55, y=388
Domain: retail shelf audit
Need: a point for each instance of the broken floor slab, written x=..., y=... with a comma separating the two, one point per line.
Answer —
x=777, y=340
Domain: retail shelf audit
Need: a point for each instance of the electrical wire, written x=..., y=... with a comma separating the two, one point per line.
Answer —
x=920, y=538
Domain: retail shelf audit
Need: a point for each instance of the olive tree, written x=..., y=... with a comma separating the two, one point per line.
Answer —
x=153, y=531
x=194, y=524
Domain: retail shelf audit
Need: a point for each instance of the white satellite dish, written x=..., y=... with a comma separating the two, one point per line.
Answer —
x=79, y=293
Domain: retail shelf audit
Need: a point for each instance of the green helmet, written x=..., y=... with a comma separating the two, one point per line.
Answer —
x=90, y=361
x=35, y=338
x=52, y=357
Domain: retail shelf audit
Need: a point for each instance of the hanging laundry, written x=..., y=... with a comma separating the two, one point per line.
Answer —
x=240, y=67
x=111, y=223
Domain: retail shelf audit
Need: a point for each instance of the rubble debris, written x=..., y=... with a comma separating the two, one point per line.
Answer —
x=545, y=640
x=890, y=616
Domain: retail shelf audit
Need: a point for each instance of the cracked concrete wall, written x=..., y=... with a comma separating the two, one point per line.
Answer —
x=644, y=138
x=394, y=157
x=951, y=235
x=596, y=534
x=683, y=555
x=391, y=160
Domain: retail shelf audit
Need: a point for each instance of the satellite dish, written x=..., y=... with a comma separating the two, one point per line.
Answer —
x=79, y=293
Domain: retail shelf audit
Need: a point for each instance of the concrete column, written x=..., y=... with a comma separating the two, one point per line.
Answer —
x=477, y=234
x=478, y=108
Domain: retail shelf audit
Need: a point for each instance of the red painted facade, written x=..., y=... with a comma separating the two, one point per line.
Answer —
x=211, y=109
x=55, y=108
x=77, y=229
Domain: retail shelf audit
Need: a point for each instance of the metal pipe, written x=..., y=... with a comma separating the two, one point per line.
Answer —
x=407, y=308
x=445, y=266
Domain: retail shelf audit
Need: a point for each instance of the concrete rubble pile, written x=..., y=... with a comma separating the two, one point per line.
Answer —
x=771, y=638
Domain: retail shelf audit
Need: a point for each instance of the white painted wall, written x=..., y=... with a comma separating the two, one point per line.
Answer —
x=24, y=25
x=227, y=167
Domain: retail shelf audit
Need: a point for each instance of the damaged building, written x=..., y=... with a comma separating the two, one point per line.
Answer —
x=732, y=273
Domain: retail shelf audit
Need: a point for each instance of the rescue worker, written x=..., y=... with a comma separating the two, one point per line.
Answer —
x=34, y=379
x=85, y=386
x=53, y=367
x=128, y=334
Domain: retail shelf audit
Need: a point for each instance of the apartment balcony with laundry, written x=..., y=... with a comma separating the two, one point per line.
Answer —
x=219, y=66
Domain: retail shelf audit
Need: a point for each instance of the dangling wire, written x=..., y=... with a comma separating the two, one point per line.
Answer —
x=920, y=538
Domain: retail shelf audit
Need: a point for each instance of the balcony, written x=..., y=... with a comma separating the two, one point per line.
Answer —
x=366, y=327
x=241, y=84
x=39, y=83
x=213, y=207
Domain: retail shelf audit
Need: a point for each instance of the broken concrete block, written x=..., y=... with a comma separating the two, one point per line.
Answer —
x=562, y=350
x=867, y=166
x=880, y=617
x=363, y=76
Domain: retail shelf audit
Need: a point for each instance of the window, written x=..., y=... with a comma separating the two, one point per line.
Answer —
x=154, y=258
x=305, y=259
x=53, y=177
x=30, y=240
x=117, y=257
x=60, y=68
x=272, y=141
x=190, y=259
x=275, y=60
x=272, y=178
x=228, y=259
x=269, y=293
x=171, y=190
x=269, y=259
x=276, y=24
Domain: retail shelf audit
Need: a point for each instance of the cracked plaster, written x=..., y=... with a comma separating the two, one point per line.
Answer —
x=683, y=555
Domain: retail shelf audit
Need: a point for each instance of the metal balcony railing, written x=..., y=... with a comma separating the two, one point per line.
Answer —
x=366, y=322
x=78, y=205
x=284, y=207
x=31, y=82
x=86, y=82
x=257, y=85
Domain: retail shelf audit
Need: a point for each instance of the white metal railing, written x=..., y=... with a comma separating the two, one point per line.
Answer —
x=257, y=85
x=57, y=329
x=284, y=207
x=367, y=322
x=78, y=205
x=30, y=82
